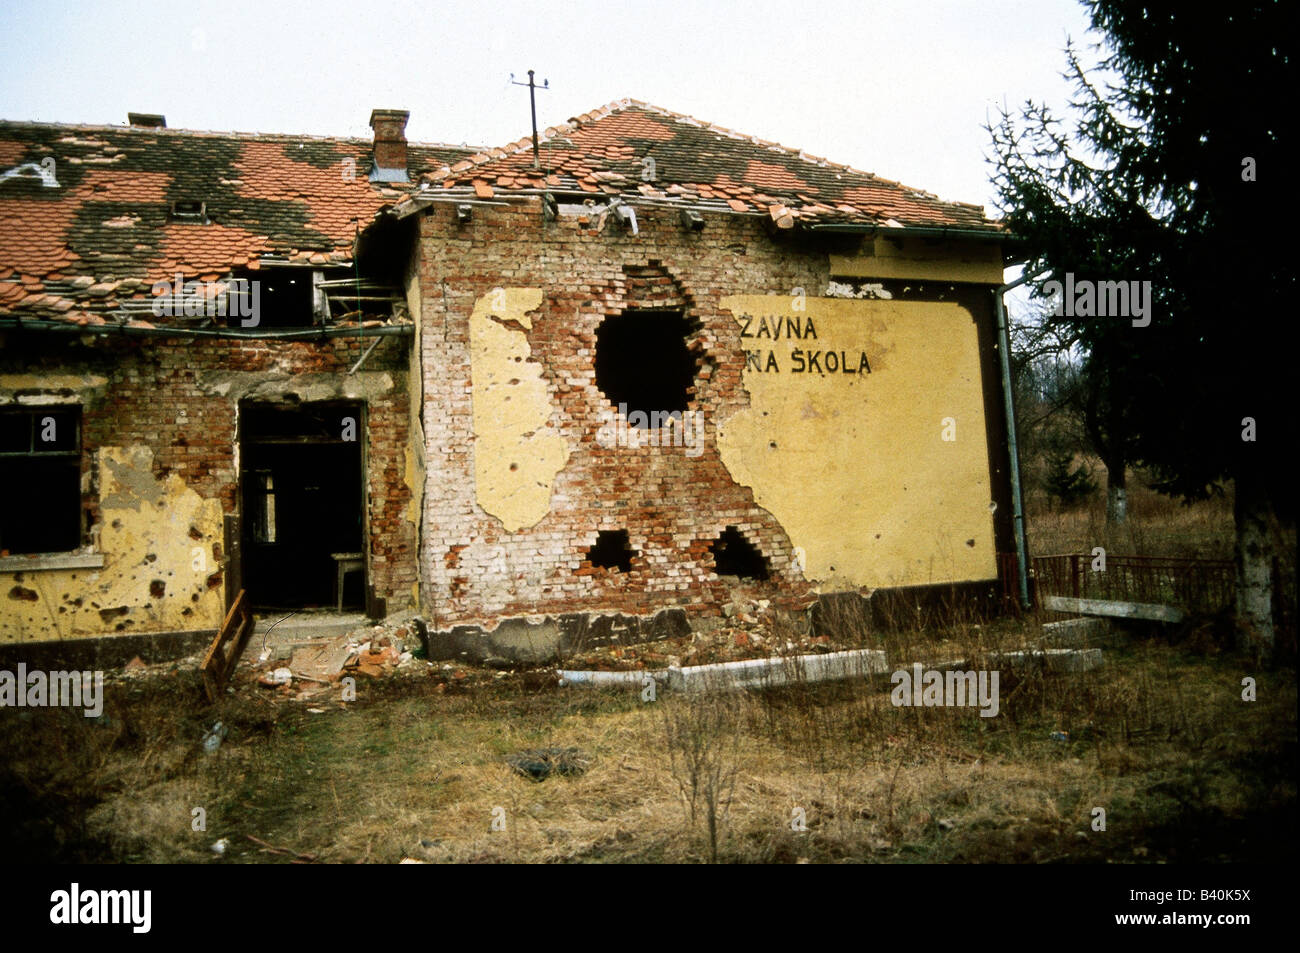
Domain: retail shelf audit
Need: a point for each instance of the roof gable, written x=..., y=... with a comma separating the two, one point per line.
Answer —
x=631, y=148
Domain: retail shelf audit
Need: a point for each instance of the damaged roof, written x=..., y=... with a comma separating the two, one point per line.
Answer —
x=89, y=214
x=86, y=212
x=637, y=151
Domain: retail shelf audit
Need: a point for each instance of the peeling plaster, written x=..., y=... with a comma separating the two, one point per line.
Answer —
x=51, y=388
x=854, y=466
x=516, y=456
x=155, y=535
x=276, y=386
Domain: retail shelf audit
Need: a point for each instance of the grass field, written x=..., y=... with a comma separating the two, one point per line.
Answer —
x=1159, y=737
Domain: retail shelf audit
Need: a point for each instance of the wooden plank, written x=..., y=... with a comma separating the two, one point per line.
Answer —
x=1114, y=610
x=224, y=652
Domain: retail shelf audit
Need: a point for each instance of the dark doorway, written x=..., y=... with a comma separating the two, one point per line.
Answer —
x=300, y=473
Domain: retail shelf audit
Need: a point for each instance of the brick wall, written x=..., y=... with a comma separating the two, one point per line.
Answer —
x=179, y=398
x=672, y=505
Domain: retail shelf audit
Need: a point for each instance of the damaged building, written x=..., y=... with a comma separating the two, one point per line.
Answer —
x=536, y=394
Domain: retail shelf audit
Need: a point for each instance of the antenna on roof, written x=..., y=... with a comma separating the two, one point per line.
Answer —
x=532, y=99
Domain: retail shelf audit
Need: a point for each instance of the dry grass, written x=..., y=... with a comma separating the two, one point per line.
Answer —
x=1159, y=738
x=1158, y=525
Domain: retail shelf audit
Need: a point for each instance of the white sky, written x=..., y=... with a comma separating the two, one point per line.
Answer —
x=897, y=88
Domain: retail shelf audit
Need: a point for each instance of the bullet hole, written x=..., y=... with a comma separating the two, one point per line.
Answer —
x=877, y=536
x=772, y=444
x=194, y=598
x=612, y=550
x=214, y=580
x=970, y=543
x=216, y=551
x=733, y=555
x=514, y=467
x=642, y=361
x=151, y=558
x=117, y=524
x=187, y=611
x=25, y=595
x=157, y=588
x=108, y=615
x=194, y=533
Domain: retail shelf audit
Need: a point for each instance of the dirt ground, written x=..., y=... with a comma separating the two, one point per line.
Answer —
x=417, y=765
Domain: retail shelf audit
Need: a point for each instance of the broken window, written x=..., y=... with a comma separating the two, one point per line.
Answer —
x=612, y=550
x=733, y=555
x=40, y=480
x=190, y=210
x=643, y=363
x=275, y=298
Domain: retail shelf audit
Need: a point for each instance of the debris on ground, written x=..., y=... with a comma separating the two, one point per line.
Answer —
x=748, y=629
x=223, y=654
x=540, y=763
x=265, y=848
x=313, y=669
x=281, y=676
x=212, y=740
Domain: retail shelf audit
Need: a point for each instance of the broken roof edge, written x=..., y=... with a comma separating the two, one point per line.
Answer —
x=424, y=197
x=562, y=130
x=226, y=134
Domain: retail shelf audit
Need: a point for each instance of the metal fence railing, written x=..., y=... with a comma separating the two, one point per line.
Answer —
x=1194, y=585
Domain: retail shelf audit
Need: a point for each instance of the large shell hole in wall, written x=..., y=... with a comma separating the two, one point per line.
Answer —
x=612, y=550
x=643, y=363
x=733, y=555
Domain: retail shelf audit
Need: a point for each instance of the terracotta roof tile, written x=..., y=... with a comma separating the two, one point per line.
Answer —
x=697, y=159
x=296, y=197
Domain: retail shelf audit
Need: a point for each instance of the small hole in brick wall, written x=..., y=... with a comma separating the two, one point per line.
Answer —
x=612, y=550
x=733, y=555
x=642, y=361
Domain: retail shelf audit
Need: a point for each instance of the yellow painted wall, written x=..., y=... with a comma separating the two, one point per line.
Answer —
x=516, y=456
x=151, y=530
x=854, y=466
x=921, y=258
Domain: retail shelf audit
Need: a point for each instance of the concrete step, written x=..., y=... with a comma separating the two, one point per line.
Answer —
x=282, y=628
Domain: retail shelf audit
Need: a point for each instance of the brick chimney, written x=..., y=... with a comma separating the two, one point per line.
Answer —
x=146, y=120
x=390, y=144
